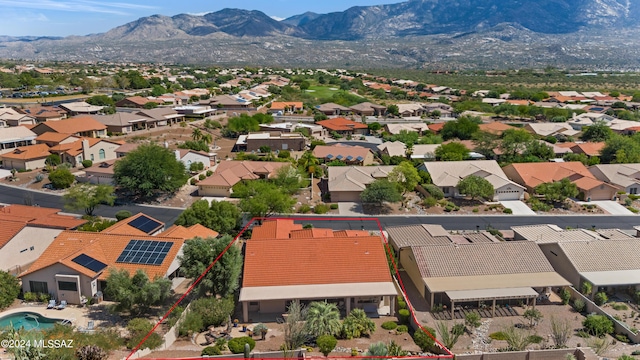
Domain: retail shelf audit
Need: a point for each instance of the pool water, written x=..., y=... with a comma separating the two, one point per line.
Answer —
x=28, y=321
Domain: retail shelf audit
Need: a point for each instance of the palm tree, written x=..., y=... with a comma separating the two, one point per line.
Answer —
x=196, y=134
x=206, y=138
x=308, y=162
x=323, y=318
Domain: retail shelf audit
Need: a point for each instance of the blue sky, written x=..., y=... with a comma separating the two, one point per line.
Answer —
x=82, y=17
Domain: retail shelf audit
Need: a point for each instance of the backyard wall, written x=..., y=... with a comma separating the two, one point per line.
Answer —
x=555, y=354
x=168, y=339
x=591, y=307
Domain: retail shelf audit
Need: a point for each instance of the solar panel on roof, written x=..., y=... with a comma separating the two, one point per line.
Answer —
x=145, y=224
x=145, y=252
x=89, y=263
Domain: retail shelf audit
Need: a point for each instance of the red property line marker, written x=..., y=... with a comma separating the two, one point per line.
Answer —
x=449, y=354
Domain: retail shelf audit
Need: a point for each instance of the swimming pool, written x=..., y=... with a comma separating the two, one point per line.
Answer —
x=29, y=321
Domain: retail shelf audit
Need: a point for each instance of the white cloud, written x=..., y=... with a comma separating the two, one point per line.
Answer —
x=75, y=6
x=199, y=13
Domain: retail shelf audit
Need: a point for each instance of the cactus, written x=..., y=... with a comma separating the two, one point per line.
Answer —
x=247, y=351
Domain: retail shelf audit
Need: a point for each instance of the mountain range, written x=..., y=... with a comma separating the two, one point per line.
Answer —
x=441, y=22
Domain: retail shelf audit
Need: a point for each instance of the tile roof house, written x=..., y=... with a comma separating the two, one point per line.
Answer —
x=26, y=157
x=137, y=102
x=447, y=174
x=100, y=173
x=369, y=109
x=13, y=137
x=551, y=129
x=125, y=148
x=395, y=148
x=12, y=117
x=401, y=237
x=496, y=128
x=359, y=276
x=26, y=231
x=188, y=157
x=122, y=122
x=346, y=183
x=588, y=148
x=332, y=109
x=458, y=272
x=85, y=126
x=93, y=149
x=229, y=173
x=76, y=264
x=624, y=176
x=352, y=155
x=161, y=117
x=274, y=140
x=395, y=129
x=411, y=110
x=531, y=175
x=286, y=107
x=80, y=108
x=344, y=126
x=52, y=138
x=44, y=113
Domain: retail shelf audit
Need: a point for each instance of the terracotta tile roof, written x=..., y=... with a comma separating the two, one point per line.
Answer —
x=566, y=144
x=436, y=128
x=494, y=127
x=323, y=151
x=139, y=100
x=534, y=174
x=588, y=148
x=275, y=229
x=281, y=105
x=104, y=167
x=191, y=232
x=127, y=148
x=102, y=247
x=44, y=111
x=73, y=125
x=28, y=152
x=123, y=228
x=229, y=173
x=9, y=229
x=359, y=260
x=587, y=183
x=39, y=216
x=52, y=137
x=341, y=124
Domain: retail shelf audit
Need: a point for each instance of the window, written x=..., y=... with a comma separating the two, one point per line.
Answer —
x=92, y=157
x=101, y=154
x=633, y=191
x=445, y=190
x=67, y=286
x=39, y=287
x=32, y=248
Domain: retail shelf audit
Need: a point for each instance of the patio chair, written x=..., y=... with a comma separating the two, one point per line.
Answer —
x=89, y=328
x=63, y=304
x=52, y=304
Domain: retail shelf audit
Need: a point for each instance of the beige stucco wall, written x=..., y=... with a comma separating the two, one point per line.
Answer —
x=48, y=275
x=22, y=164
x=217, y=191
x=606, y=193
x=561, y=263
x=99, y=178
x=13, y=254
x=109, y=151
x=408, y=263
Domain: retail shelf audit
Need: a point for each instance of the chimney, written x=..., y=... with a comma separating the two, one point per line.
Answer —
x=85, y=148
x=177, y=152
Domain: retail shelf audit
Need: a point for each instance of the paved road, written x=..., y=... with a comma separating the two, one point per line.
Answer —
x=12, y=195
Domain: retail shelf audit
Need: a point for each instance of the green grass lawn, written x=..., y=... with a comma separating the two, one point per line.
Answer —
x=323, y=91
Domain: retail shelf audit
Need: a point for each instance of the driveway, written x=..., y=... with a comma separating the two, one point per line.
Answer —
x=518, y=207
x=350, y=208
x=611, y=207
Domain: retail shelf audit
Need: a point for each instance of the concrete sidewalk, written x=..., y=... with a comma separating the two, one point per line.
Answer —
x=518, y=207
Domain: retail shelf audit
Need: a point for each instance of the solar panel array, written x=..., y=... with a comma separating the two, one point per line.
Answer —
x=89, y=262
x=145, y=224
x=145, y=252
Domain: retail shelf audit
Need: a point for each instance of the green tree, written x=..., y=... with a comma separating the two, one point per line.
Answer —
x=224, y=277
x=9, y=289
x=138, y=329
x=61, y=178
x=88, y=197
x=462, y=129
x=476, y=187
x=289, y=179
x=538, y=150
x=101, y=100
x=262, y=198
x=357, y=324
x=309, y=163
x=221, y=216
x=599, y=131
x=196, y=134
x=473, y=320
x=374, y=126
x=213, y=311
x=326, y=344
x=597, y=325
x=136, y=293
x=453, y=151
x=514, y=142
x=323, y=318
x=381, y=191
x=393, y=110
x=150, y=105
x=485, y=143
x=53, y=160
x=405, y=175
x=533, y=315
x=557, y=191
x=449, y=337
x=620, y=150
x=149, y=170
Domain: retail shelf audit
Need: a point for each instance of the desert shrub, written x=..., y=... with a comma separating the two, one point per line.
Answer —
x=620, y=307
x=472, y=320
x=138, y=330
x=424, y=341
x=211, y=351
x=434, y=191
x=44, y=297
x=535, y=339
x=321, y=209
x=507, y=211
x=600, y=298
x=389, y=325
x=333, y=206
x=598, y=325
x=622, y=338
x=87, y=163
x=61, y=178
x=403, y=316
x=498, y=335
x=209, y=172
x=429, y=201
x=30, y=297
x=326, y=344
x=202, y=177
x=402, y=329
x=191, y=324
x=123, y=214
x=304, y=208
x=401, y=303
x=565, y=295
x=193, y=181
x=236, y=345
